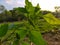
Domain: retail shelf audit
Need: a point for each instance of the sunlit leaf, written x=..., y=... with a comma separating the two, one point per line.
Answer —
x=51, y=19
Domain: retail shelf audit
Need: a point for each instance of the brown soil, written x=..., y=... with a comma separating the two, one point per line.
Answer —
x=52, y=38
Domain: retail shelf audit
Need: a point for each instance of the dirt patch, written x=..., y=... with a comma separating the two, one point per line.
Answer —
x=52, y=38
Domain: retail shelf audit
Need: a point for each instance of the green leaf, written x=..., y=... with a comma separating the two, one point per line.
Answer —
x=3, y=29
x=37, y=8
x=22, y=33
x=15, y=26
x=36, y=38
x=51, y=19
x=29, y=7
x=25, y=43
x=31, y=22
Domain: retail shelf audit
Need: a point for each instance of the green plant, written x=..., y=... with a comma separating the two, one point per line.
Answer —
x=28, y=30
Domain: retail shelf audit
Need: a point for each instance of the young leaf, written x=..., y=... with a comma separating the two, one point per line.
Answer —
x=29, y=7
x=36, y=38
x=37, y=8
x=3, y=29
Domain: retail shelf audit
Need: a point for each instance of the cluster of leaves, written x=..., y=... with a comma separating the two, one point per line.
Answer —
x=27, y=31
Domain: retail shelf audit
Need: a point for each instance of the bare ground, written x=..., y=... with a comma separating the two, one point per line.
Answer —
x=52, y=38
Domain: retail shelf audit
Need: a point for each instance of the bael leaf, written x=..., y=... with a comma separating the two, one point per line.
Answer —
x=51, y=19
x=36, y=38
x=3, y=29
